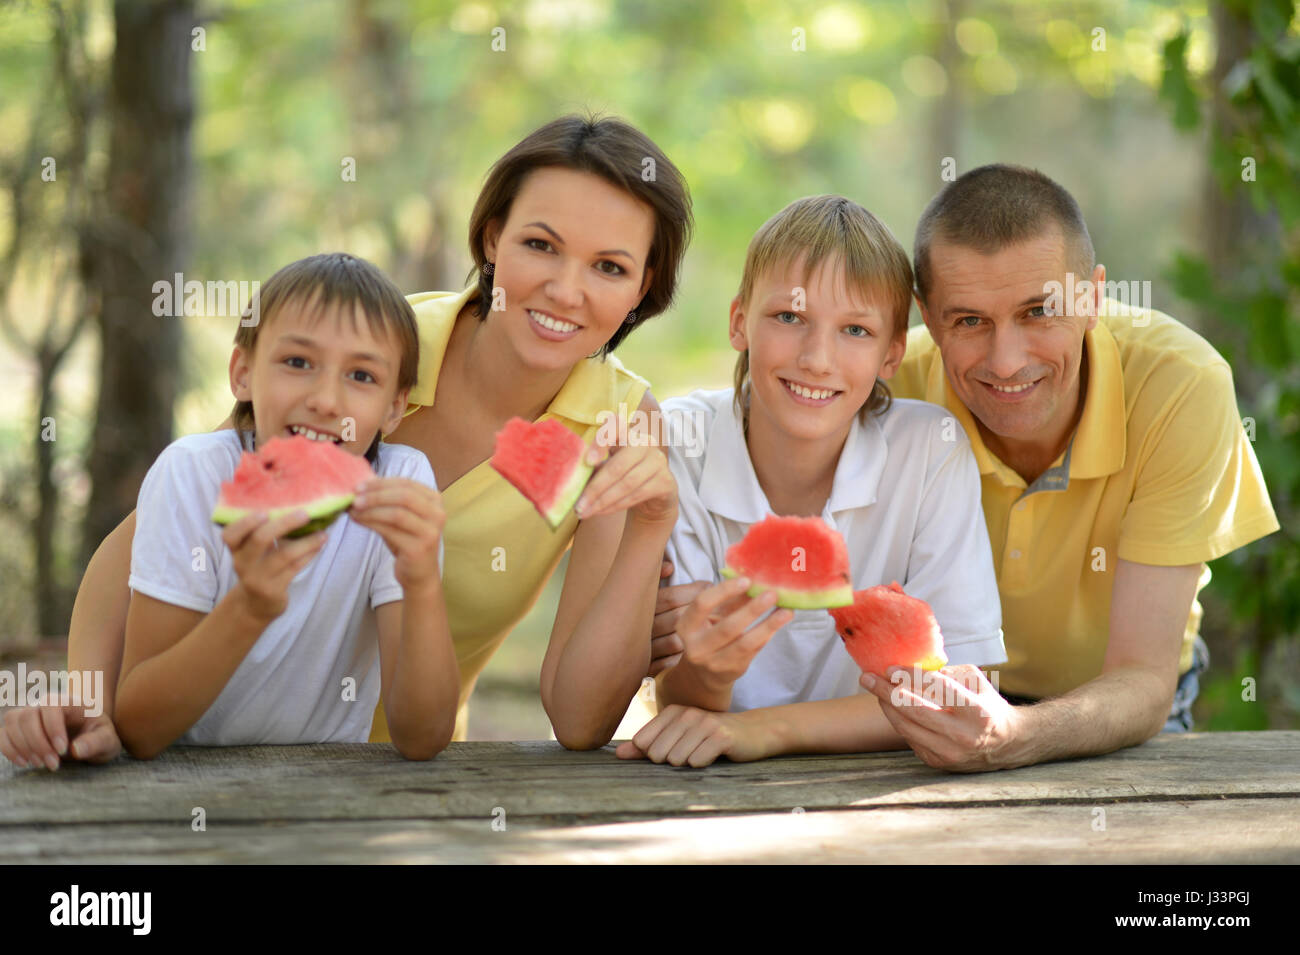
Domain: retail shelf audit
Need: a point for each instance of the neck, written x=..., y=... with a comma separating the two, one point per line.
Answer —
x=796, y=475
x=1030, y=459
x=502, y=385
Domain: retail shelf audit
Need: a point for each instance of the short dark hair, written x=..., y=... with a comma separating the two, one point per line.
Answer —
x=998, y=205
x=617, y=153
x=322, y=282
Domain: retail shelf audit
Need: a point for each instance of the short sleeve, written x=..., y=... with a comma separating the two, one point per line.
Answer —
x=950, y=566
x=1199, y=493
x=406, y=462
x=176, y=549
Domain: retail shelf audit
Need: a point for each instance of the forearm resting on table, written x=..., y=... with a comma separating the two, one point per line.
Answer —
x=606, y=657
x=421, y=707
x=159, y=698
x=1122, y=707
x=851, y=724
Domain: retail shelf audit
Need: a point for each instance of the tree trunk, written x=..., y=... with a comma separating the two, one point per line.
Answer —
x=143, y=238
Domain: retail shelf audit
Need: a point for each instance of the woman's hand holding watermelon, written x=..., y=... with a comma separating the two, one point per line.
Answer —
x=266, y=561
x=631, y=478
x=409, y=517
x=688, y=736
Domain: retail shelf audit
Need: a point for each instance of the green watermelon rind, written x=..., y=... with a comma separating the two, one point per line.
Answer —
x=322, y=511
x=799, y=599
x=568, y=495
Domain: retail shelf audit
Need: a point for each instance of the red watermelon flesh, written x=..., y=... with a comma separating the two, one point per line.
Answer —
x=885, y=627
x=802, y=558
x=544, y=460
x=290, y=474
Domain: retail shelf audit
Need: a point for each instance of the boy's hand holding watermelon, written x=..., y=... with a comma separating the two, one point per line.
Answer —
x=409, y=517
x=267, y=564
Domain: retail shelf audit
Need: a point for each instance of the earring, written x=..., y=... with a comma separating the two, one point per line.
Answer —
x=631, y=317
x=488, y=268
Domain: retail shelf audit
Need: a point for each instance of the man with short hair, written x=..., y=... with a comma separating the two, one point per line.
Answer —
x=1114, y=466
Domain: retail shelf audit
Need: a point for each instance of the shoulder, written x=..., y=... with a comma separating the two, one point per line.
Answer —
x=402, y=460
x=911, y=421
x=688, y=415
x=212, y=455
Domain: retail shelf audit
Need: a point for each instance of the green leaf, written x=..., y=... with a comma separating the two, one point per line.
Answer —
x=1175, y=86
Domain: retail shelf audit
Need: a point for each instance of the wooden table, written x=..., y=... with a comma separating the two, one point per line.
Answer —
x=1209, y=797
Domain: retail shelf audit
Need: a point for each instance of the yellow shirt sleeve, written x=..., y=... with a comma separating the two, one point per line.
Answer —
x=1199, y=492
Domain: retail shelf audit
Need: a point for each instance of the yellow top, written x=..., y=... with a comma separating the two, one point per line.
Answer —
x=1159, y=471
x=498, y=551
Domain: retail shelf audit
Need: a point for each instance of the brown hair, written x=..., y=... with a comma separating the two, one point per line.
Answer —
x=617, y=153
x=324, y=281
x=820, y=229
x=998, y=205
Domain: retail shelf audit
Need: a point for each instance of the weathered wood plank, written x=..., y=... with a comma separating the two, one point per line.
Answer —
x=1259, y=830
x=363, y=781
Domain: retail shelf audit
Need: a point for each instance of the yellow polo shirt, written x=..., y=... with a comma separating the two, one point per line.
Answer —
x=1159, y=471
x=498, y=551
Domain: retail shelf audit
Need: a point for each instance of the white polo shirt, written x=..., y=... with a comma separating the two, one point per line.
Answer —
x=906, y=498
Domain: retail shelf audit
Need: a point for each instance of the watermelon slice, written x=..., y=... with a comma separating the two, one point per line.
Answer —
x=885, y=627
x=801, y=558
x=290, y=474
x=544, y=461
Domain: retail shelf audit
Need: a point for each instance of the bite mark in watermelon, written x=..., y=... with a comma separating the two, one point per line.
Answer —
x=290, y=474
x=802, y=558
x=885, y=627
x=544, y=460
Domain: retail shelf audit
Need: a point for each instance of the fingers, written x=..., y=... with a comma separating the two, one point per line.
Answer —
x=28, y=744
x=663, y=663
x=680, y=735
x=665, y=569
x=669, y=598
x=98, y=742
x=666, y=645
x=52, y=722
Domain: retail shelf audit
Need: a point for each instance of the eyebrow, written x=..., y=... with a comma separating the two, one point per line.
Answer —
x=778, y=299
x=306, y=342
x=954, y=309
x=555, y=235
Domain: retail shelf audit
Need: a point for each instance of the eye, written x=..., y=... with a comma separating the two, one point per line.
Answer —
x=858, y=331
x=368, y=377
x=545, y=246
x=1037, y=311
x=780, y=317
x=968, y=321
x=293, y=358
x=618, y=269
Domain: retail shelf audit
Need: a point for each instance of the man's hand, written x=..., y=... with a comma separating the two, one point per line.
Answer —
x=39, y=735
x=953, y=719
x=687, y=736
x=409, y=517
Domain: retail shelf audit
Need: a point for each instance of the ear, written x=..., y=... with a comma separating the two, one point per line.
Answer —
x=739, y=340
x=241, y=370
x=396, y=411
x=491, y=236
x=893, y=357
x=1099, y=294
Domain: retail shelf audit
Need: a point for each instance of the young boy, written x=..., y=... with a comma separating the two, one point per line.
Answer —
x=241, y=635
x=810, y=429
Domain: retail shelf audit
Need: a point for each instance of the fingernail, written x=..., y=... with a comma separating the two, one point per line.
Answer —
x=52, y=762
x=360, y=501
x=77, y=749
x=21, y=763
x=61, y=745
x=869, y=681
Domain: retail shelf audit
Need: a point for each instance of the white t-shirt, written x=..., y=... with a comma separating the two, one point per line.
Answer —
x=290, y=687
x=906, y=498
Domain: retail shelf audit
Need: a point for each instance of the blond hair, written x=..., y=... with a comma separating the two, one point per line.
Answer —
x=820, y=229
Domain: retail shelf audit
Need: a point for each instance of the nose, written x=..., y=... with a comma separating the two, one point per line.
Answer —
x=565, y=286
x=326, y=397
x=1007, y=355
x=815, y=351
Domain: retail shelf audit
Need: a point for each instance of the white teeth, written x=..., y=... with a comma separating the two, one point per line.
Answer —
x=312, y=435
x=554, y=324
x=1011, y=391
x=815, y=394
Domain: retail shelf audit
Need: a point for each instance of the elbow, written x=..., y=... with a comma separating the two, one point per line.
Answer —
x=423, y=746
x=582, y=741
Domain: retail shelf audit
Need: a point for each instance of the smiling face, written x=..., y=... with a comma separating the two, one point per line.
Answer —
x=1015, y=367
x=812, y=370
x=323, y=375
x=571, y=260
